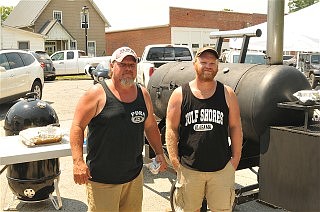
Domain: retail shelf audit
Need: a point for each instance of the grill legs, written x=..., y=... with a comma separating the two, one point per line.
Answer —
x=57, y=203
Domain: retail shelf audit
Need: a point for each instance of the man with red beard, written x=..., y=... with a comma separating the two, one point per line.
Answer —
x=118, y=113
x=201, y=115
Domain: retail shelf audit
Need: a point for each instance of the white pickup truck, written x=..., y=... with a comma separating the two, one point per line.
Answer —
x=71, y=62
x=156, y=55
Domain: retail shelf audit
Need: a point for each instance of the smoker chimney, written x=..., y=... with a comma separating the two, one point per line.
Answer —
x=275, y=25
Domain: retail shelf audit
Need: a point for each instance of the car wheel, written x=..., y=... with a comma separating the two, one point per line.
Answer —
x=37, y=88
x=313, y=81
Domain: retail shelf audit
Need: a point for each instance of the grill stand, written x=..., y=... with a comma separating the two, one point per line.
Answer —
x=57, y=204
x=306, y=108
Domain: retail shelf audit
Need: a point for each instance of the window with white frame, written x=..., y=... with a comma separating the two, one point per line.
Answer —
x=91, y=48
x=57, y=15
x=73, y=44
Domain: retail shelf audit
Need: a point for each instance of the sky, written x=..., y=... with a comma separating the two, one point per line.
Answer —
x=126, y=14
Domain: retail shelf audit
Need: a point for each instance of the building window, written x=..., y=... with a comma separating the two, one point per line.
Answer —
x=57, y=15
x=23, y=45
x=73, y=45
x=195, y=45
x=91, y=48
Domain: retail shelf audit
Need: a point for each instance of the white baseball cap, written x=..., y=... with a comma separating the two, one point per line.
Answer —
x=121, y=53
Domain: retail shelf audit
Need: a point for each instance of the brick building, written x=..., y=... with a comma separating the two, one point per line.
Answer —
x=186, y=26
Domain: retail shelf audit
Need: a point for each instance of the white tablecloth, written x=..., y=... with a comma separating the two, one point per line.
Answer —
x=13, y=151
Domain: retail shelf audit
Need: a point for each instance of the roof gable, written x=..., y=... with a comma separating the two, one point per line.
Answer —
x=20, y=18
x=55, y=30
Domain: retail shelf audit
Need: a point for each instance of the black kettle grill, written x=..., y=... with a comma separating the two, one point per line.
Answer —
x=32, y=181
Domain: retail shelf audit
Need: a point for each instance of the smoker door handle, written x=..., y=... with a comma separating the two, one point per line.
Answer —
x=158, y=90
x=171, y=86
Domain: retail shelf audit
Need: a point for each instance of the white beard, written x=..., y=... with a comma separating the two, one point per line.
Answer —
x=127, y=82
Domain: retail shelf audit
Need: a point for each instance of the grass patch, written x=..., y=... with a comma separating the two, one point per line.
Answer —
x=74, y=77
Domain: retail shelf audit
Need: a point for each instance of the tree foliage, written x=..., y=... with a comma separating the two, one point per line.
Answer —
x=4, y=12
x=295, y=5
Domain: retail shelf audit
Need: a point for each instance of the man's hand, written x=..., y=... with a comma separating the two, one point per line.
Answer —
x=81, y=173
x=162, y=160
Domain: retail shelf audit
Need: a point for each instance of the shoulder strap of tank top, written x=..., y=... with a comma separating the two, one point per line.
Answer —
x=185, y=87
x=140, y=93
x=220, y=86
x=106, y=88
x=104, y=85
x=139, y=90
x=220, y=90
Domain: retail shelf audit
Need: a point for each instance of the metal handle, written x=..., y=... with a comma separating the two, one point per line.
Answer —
x=30, y=95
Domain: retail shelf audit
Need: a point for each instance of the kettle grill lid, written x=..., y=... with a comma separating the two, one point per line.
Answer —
x=29, y=112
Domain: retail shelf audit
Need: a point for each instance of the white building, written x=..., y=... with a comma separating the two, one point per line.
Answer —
x=13, y=38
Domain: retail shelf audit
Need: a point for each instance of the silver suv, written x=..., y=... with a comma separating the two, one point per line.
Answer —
x=20, y=73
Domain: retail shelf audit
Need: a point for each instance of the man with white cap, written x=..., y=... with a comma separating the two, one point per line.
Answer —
x=118, y=113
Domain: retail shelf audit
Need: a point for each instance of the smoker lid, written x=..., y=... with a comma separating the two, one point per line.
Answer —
x=29, y=112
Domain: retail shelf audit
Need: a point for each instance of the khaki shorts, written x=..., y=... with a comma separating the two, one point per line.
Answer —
x=218, y=188
x=116, y=197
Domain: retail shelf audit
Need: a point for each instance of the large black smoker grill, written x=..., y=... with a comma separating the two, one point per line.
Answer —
x=279, y=135
x=32, y=181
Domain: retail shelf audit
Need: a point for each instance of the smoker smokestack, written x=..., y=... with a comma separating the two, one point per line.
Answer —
x=275, y=25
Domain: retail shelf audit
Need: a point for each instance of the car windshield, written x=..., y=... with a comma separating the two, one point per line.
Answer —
x=102, y=66
x=43, y=56
x=169, y=54
x=287, y=57
x=252, y=59
x=315, y=59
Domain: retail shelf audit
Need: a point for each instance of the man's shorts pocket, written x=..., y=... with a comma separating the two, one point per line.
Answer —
x=224, y=198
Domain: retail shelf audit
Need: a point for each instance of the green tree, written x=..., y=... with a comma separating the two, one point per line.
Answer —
x=4, y=12
x=295, y=5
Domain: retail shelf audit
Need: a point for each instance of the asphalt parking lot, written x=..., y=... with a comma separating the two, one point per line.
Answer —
x=63, y=95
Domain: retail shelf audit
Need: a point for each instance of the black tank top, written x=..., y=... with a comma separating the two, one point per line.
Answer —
x=203, y=142
x=115, y=140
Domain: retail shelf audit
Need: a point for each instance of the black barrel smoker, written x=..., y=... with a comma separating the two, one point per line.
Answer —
x=32, y=181
x=258, y=87
x=278, y=134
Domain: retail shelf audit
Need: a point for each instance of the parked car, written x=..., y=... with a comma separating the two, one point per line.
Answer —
x=20, y=73
x=309, y=64
x=102, y=71
x=289, y=60
x=46, y=63
x=156, y=55
x=73, y=62
x=252, y=57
